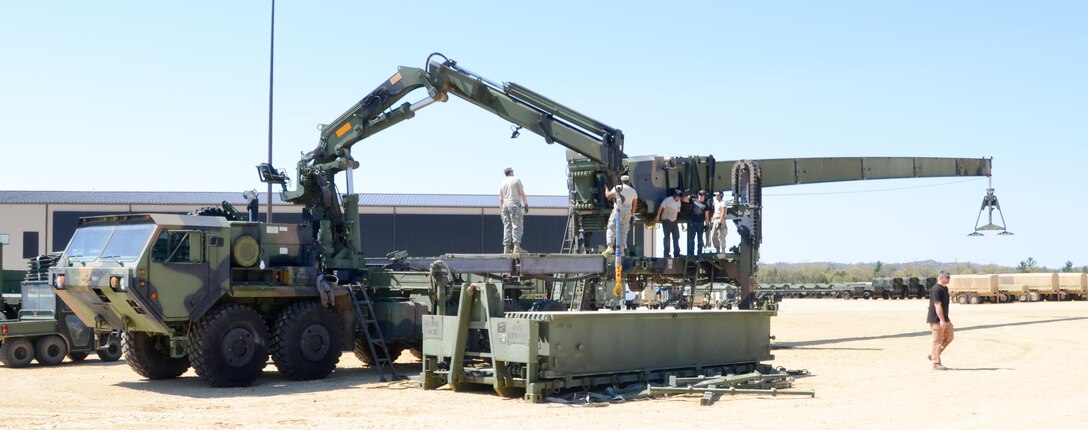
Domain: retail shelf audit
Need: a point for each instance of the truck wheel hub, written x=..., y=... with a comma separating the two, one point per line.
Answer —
x=238, y=346
x=315, y=342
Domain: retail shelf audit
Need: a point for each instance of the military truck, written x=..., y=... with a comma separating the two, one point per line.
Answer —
x=46, y=330
x=221, y=295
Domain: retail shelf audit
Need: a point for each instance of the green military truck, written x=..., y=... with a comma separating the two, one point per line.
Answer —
x=47, y=330
x=222, y=295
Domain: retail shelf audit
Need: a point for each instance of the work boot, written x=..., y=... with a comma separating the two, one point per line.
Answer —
x=609, y=251
x=517, y=248
x=506, y=249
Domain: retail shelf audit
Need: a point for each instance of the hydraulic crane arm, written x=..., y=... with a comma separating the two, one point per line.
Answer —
x=796, y=171
x=527, y=109
x=599, y=144
x=654, y=176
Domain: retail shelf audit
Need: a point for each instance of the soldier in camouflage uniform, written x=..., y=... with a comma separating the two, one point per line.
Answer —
x=514, y=206
x=626, y=200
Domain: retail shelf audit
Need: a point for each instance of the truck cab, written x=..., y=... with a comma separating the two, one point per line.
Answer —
x=154, y=273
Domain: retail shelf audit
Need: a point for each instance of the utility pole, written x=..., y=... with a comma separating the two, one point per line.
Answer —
x=271, y=58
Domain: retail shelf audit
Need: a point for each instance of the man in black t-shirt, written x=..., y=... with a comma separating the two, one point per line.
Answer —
x=697, y=224
x=938, y=319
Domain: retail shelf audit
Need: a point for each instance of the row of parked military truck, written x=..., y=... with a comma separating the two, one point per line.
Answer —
x=963, y=289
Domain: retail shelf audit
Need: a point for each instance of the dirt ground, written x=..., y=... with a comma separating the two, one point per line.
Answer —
x=1019, y=365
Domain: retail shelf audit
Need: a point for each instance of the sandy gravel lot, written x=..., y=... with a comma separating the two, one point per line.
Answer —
x=1012, y=366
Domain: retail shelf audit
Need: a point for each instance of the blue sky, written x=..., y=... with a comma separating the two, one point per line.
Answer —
x=135, y=95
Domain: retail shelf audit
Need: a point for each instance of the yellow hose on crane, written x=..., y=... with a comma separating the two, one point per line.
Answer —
x=618, y=289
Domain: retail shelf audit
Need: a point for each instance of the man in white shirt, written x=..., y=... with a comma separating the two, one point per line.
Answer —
x=625, y=203
x=514, y=206
x=718, y=227
x=666, y=216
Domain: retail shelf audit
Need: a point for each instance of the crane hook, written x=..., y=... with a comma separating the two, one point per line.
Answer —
x=989, y=204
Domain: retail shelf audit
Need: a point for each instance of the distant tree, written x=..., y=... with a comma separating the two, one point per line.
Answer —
x=1068, y=268
x=1027, y=266
x=878, y=268
x=773, y=276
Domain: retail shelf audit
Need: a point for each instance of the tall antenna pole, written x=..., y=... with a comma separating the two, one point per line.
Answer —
x=271, y=58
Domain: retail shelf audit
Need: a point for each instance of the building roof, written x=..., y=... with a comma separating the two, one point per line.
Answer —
x=215, y=198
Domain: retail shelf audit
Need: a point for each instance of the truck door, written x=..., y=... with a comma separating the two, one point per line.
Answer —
x=70, y=327
x=178, y=273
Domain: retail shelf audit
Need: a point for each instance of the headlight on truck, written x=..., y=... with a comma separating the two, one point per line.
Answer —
x=59, y=282
x=119, y=283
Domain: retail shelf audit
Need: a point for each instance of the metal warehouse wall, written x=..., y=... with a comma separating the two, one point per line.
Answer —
x=383, y=229
x=419, y=234
x=426, y=235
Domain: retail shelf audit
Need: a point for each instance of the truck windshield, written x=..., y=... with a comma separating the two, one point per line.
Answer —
x=110, y=242
x=38, y=296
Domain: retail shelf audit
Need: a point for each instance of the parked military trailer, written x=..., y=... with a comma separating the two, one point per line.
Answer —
x=46, y=330
x=1034, y=287
x=1075, y=285
x=975, y=289
x=222, y=296
x=1023, y=287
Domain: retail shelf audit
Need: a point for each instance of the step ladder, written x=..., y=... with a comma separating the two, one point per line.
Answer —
x=368, y=325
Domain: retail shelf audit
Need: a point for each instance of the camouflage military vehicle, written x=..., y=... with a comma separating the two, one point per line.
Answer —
x=47, y=330
x=221, y=296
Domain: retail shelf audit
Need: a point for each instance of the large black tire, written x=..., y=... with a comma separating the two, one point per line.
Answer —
x=306, y=341
x=50, y=350
x=16, y=353
x=149, y=356
x=229, y=346
x=112, y=351
x=78, y=356
x=362, y=351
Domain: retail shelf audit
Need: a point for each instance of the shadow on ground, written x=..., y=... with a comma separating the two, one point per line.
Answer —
x=804, y=343
x=272, y=383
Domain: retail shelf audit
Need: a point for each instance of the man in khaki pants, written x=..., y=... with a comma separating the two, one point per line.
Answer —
x=938, y=319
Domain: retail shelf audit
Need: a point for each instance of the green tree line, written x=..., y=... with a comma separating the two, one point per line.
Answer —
x=830, y=272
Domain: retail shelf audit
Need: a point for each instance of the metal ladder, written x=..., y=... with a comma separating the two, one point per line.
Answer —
x=579, y=296
x=691, y=272
x=569, y=244
x=368, y=324
x=570, y=237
